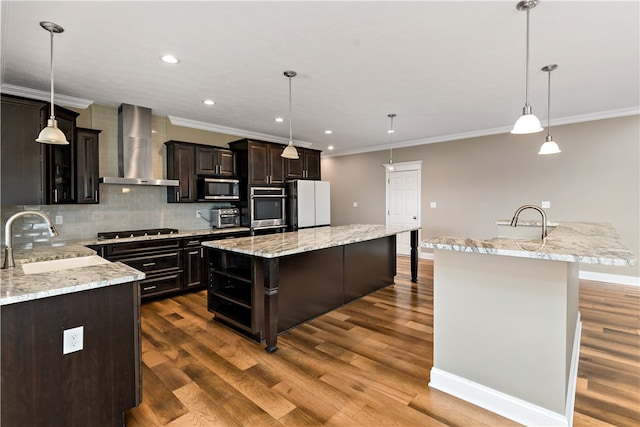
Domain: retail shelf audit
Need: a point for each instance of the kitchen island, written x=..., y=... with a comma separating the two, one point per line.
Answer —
x=94, y=381
x=265, y=285
x=506, y=320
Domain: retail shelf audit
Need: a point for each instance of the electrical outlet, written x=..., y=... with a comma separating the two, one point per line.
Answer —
x=198, y=214
x=58, y=219
x=433, y=205
x=355, y=204
x=72, y=340
x=546, y=204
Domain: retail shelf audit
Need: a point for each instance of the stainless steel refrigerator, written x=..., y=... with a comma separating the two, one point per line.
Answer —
x=309, y=203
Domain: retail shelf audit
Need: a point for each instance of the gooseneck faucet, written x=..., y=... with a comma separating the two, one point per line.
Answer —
x=514, y=221
x=8, y=234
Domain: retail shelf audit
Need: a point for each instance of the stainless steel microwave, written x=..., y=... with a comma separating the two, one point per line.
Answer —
x=218, y=189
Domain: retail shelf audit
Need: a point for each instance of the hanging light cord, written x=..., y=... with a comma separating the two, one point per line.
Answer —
x=549, y=106
x=290, y=114
x=526, y=71
x=52, y=105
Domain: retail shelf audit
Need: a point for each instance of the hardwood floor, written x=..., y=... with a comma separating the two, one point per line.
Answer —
x=366, y=364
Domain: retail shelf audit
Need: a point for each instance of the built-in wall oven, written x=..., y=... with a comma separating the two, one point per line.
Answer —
x=267, y=207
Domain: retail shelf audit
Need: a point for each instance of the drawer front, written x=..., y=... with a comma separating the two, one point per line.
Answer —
x=153, y=263
x=158, y=285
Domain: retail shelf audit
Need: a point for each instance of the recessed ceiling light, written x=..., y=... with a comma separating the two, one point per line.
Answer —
x=330, y=147
x=169, y=59
x=279, y=119
x=328, y=131
x=209, y=102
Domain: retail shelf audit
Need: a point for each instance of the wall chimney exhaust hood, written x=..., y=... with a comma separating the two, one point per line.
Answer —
x=135, y=162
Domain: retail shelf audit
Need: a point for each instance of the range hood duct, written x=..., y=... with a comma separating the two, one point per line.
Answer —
x=135, y=162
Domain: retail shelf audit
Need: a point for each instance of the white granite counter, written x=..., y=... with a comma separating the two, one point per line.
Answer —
x=18, y=287
x=310, y=239
x=585, y=242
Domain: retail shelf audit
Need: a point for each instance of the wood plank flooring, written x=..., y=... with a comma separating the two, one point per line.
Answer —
x=366, y=364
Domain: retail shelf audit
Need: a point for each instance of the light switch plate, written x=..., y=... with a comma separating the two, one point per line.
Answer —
x=546, y=204
x=433, y=205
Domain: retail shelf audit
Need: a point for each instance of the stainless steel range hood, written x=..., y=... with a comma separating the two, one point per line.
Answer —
x=135, y=164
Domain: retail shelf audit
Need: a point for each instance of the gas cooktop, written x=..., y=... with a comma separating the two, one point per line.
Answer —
x=135, y=233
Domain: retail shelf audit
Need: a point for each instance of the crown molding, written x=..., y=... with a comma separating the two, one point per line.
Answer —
x=611, y=114
x=195, y=124
x=62, y=100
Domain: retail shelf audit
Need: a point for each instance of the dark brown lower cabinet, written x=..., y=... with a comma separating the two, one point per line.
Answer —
x=309, y=284
x=90, y=387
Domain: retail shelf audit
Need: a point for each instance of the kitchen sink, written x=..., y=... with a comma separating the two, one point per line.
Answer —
x=523, y=231
x=62, y=264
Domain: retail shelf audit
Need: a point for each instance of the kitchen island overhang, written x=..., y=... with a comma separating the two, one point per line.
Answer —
x=270, y=283
x=506, y=319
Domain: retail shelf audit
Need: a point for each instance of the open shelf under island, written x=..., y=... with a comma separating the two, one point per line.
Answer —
x=265, y=285
x=506, y=320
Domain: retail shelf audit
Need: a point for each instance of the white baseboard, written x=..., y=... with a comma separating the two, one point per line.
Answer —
x=509, y=406
x=618, y=279
x=495, y=401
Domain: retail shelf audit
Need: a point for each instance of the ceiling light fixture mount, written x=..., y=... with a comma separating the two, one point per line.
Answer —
x=290, y=151
x=549, y=146
x=528, y=122
x=52, y=134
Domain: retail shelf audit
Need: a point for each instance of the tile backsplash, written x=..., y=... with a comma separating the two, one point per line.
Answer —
x=121, y=208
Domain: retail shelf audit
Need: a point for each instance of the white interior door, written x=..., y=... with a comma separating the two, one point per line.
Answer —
x=403, y=200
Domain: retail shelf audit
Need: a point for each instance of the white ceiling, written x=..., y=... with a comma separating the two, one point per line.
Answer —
x=448, y=69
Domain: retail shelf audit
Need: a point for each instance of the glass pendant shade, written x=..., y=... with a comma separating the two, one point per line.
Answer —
x=549, y=147
x=527, y=123
x=52, y=134
x=290, y=152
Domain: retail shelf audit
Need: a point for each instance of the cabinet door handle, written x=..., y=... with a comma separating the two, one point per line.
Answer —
x=148, y=288
x=148, y=264
x=193, y=242
x=55, y=195
x=95, y=195
x=177, y=196
x=201, y=252
x=193, y=253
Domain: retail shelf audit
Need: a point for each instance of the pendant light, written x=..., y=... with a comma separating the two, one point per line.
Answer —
x=290, y=151
x=391, y=131
x=52, y=134
x=528, y=122
x=550, y=146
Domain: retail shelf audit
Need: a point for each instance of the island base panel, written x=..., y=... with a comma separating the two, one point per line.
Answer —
x=508, y=324
x=369, y=266
x=93, y=386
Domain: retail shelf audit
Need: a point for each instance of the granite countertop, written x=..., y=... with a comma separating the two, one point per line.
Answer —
x=19, y=287
x=585, y=242
x=15, y=286
x=309, y=239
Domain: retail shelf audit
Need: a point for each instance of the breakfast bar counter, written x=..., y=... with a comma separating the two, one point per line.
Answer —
x=265, y=285
x=506, y=320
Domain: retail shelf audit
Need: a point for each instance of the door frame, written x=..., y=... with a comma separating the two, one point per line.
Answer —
x=403, y=167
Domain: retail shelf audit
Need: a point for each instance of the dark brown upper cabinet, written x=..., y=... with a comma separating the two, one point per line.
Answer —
x=260, y=161
x=38, y=174
x=215, y=161
x=307, y=166
x=181, y=166
x=87, y=162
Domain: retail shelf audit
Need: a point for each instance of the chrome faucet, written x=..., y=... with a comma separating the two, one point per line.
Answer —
x=8, y=234
x=514, y=221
